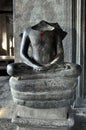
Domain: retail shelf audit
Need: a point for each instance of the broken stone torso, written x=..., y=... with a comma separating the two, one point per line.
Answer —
x=44, y=42
x=41, y=49
x=43, y=45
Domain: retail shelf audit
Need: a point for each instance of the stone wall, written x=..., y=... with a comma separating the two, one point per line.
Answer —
x=30, y=12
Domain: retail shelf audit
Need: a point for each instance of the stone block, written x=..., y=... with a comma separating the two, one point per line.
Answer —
x=32, y=119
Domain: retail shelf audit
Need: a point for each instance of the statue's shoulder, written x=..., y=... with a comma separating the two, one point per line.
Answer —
x=26, y=30
x=60, y=31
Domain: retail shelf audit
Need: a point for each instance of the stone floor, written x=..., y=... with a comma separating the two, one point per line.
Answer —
x=5, y=102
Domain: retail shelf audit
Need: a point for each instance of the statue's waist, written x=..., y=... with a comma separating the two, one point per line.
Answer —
x=43, y=59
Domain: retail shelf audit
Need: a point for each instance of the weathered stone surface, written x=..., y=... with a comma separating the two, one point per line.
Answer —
x=6, y=105
x=59, y=128
x=39, y=123
x=42, y=85
x=23, y=71
x=53, y=95
x=53, y=113
x=42, y=118
x=7, y=111
x=44, y=104
x=5, y=94
x=53, y=88
x=30, y=12
x=6, y=114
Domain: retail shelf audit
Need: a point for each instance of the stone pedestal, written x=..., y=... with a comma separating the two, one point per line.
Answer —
x=42, y=119
x=44, y=98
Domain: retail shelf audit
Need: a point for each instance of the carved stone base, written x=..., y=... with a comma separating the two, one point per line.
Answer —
x=51, y=89
x=59, y=128
x=44, y=97
x=42, y=119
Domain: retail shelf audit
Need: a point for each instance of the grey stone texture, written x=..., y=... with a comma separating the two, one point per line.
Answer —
x=5, y=94
x=42, y=118
x=7, y=109
x=6, y=105
x=63, y=128
x=50, y=89
x=46, y=97
x=30, y=12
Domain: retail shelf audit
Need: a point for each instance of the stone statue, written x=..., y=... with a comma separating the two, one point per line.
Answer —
x=43, y=85
x=45, y=41
x=41, y=46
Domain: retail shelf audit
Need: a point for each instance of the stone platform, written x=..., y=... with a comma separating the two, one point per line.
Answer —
x=51, y=89
x=44, y=98
x=42, y=119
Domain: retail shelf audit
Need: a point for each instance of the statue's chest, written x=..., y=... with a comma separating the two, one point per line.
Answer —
x=43, y=45
x=44, y=39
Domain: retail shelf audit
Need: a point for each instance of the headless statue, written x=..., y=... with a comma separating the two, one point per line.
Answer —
x=41, y=46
